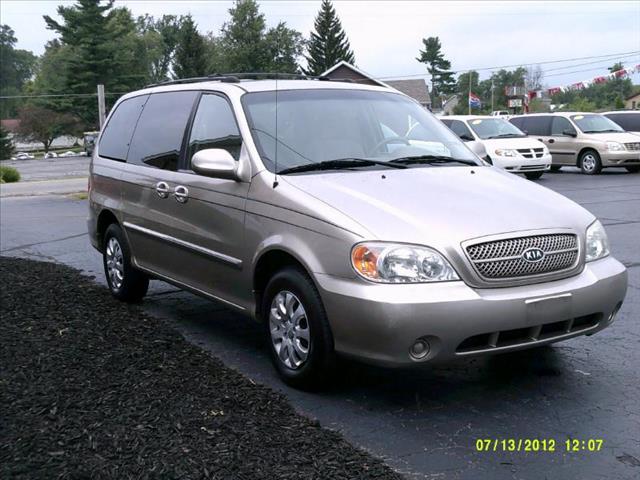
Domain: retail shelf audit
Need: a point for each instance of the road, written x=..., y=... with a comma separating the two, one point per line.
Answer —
x=425, y=422
x=47, y=176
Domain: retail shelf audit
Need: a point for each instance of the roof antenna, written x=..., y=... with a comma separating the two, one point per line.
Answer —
x=275, y=178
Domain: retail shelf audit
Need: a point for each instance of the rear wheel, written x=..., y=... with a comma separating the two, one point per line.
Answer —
x=633, y=169
x=125, y=282
x=533, y=175
x=297, y=329
x=590, y=163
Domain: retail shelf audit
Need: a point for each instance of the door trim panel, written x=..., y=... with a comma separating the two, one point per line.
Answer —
x=235, y=262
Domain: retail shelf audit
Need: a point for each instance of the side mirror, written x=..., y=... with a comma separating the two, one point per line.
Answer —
x=477, y=148
x=569, y=133
x=216, y=163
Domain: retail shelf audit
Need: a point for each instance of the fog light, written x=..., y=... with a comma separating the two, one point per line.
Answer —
x=419, y=349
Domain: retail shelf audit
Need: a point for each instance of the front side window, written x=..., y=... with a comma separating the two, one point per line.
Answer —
x=214, y=126
x=114, y=143
x=628, y=121
x=460, y=129
x=594, y=123
x=560, y=125
x=157, y=140
x=301, y=127
x=488, y=128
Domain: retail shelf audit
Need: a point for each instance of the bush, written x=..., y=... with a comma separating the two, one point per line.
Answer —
x=8, y=174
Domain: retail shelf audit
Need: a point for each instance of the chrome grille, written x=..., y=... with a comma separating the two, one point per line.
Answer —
x=635, y=146
x=503, y=258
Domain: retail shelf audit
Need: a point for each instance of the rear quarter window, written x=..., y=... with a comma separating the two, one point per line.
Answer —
x=536, y=125
x=116, y=137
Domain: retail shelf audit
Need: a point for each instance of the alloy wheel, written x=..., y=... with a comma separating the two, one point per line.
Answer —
x=115, y=263
x=589, y=162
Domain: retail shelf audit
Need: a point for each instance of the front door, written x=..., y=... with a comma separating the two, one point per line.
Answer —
x=563, y=143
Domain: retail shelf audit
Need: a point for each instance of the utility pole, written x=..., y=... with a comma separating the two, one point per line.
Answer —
x=492, y=107
x=101, y=108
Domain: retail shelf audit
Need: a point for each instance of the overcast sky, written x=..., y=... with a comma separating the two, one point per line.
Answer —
x=386, y=35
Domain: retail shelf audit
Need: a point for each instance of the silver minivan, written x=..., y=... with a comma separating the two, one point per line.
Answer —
x=346, y=219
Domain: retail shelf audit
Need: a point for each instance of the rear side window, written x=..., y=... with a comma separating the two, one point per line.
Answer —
x=536, y=125
x=214, y=126
x=158, y=137
x=114, y=143
x=629, y=121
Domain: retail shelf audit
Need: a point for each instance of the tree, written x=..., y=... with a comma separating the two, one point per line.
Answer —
x=328, y=44
x=6, y=144
x=161, y=38
x=284, y=46
x=533, y=78
x=242, y=39
x=190, y=56
x=38, y=124
x=442, y=81
x=101, y=47
x=16, y=69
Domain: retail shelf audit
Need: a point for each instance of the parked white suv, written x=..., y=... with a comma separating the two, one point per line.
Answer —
x=506, y=146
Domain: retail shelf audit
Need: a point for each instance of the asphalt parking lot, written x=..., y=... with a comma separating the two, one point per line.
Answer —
x=425, y=422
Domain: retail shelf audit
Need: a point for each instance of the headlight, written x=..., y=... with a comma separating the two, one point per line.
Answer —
x=615, y=147
x=506, y=152
x=398, y=263
x=597, y=243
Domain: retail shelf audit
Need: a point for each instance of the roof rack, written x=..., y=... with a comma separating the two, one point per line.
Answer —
x=237, y=77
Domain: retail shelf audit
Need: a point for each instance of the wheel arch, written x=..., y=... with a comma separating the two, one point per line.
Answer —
x=105, y=218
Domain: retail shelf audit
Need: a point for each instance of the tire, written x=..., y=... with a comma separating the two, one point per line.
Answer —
x=556, y=168
x=533, y=175
x=590, y=163
x=300, y=342
x=125, y=282
x=633, y=169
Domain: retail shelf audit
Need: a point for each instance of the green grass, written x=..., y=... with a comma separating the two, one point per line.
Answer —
x=8, y=174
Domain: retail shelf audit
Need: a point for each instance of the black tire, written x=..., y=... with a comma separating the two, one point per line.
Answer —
x=556, y=168
x=134, y=284
x=633, y=169
x=589, y=162
x=312, y=373
x=533, y=175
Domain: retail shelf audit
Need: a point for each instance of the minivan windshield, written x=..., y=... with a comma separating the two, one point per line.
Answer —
x=348, y=129
x=630, y=122
x=595, y=124
x=488, y=128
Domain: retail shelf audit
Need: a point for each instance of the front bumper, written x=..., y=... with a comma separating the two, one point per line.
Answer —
x=379, y=323
x=620, y=159
x=523, y=165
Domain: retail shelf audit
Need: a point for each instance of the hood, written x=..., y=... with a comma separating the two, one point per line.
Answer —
x=442, y=206
x=513, y=143
x=621, y=137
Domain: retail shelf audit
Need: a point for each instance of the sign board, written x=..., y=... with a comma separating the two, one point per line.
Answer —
x=515, y=102
x=514, y=91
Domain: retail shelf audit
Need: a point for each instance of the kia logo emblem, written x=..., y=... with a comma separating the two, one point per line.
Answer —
x=533, y=255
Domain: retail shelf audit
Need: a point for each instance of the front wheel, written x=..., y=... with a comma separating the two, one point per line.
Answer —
x=590, y=163
x=297, y=329
x=533, y=175
x=124, y=281
x=633, y=169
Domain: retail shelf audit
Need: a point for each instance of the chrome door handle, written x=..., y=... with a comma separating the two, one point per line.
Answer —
x=162, y=189
x=181, y=193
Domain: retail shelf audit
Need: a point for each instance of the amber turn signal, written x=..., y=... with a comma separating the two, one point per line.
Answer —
x=364, y=260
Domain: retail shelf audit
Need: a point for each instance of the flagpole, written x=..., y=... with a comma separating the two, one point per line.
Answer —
x=469, y=100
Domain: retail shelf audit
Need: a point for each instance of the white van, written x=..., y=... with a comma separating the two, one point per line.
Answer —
x=506, y=146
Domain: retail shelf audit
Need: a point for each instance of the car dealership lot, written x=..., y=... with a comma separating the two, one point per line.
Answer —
x=425, y=422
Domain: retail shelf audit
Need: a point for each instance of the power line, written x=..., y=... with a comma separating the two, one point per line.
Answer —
x=48, y=95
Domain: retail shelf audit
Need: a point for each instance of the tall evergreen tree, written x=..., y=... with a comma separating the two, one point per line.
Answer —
x=442, y=81
x=242, y=39
x=190, y=57
x=6, y=145
x=16, y=68
x=99, y=46
x=328, y=44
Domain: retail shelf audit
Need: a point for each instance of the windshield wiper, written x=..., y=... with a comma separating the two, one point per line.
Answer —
x=432, y=159
x=505, y=135
x=608, y=130
x=338, y=164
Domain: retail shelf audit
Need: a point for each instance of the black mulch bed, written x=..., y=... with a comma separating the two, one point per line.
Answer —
x=90, y=387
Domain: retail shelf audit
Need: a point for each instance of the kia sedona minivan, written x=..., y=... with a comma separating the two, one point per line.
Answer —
x=628, y=120
x=589, y=141
x=346, y=219
x=506, y=146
